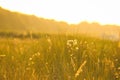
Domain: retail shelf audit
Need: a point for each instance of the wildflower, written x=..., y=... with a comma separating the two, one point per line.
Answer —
x=76, y=48
x=46, y=63
x=116, y=75
x=30, y=58
x=71, y=55
x=75, y=42
x=38, y=54
x=27, y=68
x=116, y=60
x=69, y=43
x=33, y=56
x=72, y=43
x=49, y=40
x=85, y=42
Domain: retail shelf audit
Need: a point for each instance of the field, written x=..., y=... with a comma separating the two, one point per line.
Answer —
x=59, y=57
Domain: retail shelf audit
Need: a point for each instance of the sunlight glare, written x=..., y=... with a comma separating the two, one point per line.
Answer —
x=71, y=11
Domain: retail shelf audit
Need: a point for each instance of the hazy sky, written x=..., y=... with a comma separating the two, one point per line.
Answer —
x=71, y=11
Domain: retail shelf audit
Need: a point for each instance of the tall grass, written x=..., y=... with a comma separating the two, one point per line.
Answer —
x=59, y=57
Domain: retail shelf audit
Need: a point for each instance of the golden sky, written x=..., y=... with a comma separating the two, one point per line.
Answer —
x=71, y=11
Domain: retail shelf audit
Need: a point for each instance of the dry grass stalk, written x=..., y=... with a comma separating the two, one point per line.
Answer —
x=2, y=55
x=80, y=69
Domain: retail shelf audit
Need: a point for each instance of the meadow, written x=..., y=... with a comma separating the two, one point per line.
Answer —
x=59, y=57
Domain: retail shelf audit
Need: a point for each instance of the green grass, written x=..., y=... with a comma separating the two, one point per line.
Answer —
x=59, y=57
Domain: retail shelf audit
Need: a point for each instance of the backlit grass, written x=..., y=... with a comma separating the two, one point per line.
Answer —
x=59, y=57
